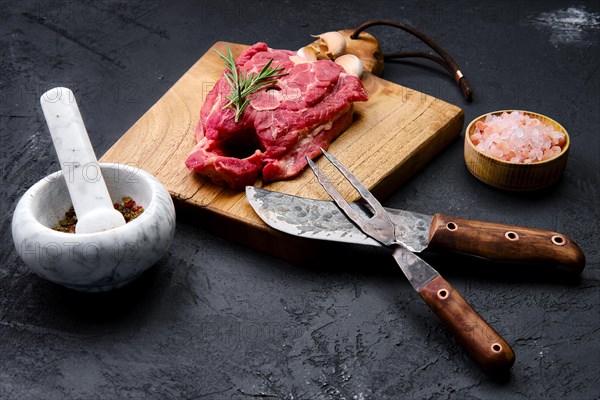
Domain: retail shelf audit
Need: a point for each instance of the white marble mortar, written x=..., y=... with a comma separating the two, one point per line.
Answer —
x=94, y=262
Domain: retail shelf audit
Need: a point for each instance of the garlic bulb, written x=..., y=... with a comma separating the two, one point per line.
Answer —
x=351, y=64
x=330, y=44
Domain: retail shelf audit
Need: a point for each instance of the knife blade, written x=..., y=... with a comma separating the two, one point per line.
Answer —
x=321, y=219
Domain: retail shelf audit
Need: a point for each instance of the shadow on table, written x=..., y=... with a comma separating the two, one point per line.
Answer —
x=378, y=261
x=58, y=309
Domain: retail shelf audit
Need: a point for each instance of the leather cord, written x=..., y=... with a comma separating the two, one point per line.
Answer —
x=444, y=59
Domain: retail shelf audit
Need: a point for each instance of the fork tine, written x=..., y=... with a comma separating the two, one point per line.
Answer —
x=363, y=191
x=378, y=226
x=333, y=192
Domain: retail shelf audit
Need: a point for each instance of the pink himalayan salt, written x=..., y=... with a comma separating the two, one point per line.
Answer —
x=517, y=137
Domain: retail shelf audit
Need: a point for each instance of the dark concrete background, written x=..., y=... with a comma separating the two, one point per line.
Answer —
x=216, y=320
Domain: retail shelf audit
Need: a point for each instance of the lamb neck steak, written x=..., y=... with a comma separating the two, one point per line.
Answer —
x=305, y=110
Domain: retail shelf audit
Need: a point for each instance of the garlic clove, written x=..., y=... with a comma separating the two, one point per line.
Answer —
x=308, y=53
x=367, y=49
x=351, y=64
x=332, y=44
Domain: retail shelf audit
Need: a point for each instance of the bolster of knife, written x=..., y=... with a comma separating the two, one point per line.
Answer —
x=506, y=243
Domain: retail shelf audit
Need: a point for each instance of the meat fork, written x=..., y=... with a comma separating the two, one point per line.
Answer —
x=482, y=342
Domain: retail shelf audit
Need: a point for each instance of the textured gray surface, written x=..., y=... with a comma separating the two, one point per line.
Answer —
x=216, y=320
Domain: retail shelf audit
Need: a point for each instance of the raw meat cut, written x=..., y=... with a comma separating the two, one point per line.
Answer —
x=304, y=111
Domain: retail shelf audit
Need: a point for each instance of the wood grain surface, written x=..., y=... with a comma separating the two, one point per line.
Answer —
x=506, y=243
x=485, y=345
x=396, y=132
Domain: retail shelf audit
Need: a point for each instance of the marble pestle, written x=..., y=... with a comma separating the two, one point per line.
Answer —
x=84, y=179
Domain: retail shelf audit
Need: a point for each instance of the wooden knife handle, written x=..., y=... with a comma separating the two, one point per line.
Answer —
x=505, y=242
x=482, y=342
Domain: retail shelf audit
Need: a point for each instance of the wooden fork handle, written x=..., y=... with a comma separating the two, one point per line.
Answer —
x=506, y=243
x=482, y=342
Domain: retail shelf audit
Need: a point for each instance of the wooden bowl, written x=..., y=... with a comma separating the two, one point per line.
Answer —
x=511, y=175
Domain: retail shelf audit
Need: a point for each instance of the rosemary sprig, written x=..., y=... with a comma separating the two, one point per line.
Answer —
x=243, y=84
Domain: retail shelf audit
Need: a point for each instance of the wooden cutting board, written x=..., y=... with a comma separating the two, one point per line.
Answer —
x=394, y=133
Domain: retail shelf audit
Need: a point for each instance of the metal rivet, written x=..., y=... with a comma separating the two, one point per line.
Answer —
x=451, y=226
x=511, y=235
x=558, y=240
x=496, y=347
x=442, y=294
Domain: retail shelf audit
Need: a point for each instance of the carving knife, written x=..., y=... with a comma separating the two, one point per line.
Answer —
x=322, y=219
